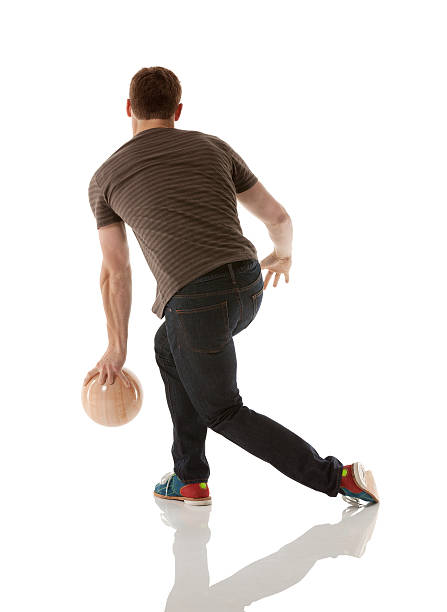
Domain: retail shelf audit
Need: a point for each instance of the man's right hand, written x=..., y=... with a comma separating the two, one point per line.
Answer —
x=276, y=265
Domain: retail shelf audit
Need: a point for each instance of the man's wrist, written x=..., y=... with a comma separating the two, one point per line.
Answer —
x=118, y=347
x=288, y=256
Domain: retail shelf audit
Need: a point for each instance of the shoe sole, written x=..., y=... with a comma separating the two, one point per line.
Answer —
x=201, y=501
x=365, y=480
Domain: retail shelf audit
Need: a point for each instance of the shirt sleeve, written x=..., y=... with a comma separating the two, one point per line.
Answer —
x=243, y=177
x=102, y=211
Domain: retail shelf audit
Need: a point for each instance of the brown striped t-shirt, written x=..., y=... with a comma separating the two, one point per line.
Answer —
x=176, y=189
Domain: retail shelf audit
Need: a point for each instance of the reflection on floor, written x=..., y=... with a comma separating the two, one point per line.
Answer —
x=262, y=578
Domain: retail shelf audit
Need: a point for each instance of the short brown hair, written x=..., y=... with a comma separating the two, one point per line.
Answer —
x=154, y=93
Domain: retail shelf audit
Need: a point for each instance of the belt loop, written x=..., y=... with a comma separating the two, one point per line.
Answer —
x=233, y=277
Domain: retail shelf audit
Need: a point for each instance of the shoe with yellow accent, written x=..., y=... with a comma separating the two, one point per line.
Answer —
x=357, y=486
x=171, y=487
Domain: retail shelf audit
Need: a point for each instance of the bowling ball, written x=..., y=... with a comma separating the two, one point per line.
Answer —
x=112, y=405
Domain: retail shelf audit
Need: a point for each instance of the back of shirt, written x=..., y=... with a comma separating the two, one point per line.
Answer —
x=176, y=189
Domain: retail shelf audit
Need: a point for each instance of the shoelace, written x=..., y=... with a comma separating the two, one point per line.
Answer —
x=167, y=479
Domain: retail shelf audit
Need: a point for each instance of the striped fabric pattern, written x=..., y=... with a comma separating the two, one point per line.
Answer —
x=176, y=189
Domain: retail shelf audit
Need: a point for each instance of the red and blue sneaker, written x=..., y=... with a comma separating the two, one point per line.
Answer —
x=357, y=486
x=171, y=487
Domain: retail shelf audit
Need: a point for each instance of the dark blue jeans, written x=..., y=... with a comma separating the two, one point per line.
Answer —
x=194, y=350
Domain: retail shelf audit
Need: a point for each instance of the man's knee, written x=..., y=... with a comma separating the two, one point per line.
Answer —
x=216, y=422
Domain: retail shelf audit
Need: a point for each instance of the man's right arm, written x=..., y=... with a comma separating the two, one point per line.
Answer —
x=278, y=222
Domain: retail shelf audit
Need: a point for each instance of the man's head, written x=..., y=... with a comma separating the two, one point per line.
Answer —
x=154, y=94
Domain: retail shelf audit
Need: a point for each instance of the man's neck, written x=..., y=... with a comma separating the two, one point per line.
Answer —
x=147, y=124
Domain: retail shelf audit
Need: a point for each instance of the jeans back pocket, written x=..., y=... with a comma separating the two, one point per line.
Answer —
x=205, y=329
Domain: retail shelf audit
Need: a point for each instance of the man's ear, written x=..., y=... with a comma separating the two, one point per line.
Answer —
x=178, y=112
x=128, y=108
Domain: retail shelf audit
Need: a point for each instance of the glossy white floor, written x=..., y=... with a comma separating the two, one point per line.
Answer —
x=88, y=535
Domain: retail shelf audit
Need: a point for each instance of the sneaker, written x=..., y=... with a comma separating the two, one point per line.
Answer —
x=357, y=486
x=171, y=487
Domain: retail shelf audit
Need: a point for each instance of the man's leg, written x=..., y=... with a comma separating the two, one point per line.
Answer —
x=188, y=448
x=209, y=379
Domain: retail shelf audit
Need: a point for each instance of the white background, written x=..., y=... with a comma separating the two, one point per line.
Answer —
x=340, y=109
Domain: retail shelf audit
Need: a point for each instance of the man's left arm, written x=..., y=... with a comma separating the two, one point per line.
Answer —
x=116, y=290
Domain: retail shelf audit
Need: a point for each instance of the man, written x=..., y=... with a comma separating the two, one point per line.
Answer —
x=178, y=190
